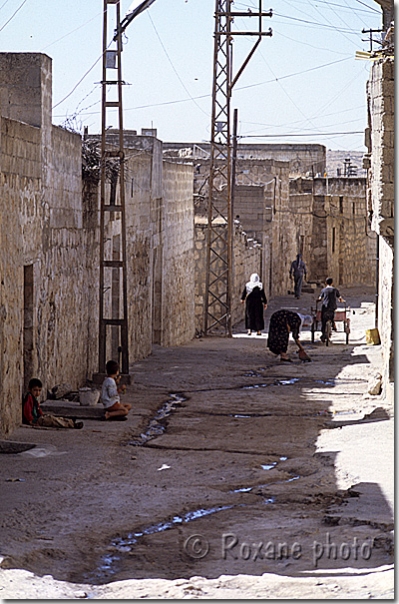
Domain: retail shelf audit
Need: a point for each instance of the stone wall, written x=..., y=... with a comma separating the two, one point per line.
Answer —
x=20, y=195
x=178, y=283
x=380, y=161
x=332, y=230
x=302, y=158
x=351, y=246
x=44, y=254
x=49, y=246
x=247, y=259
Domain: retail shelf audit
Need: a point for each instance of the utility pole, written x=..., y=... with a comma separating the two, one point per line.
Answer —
x=219, y=258
x=370, y=39
x=113, y=312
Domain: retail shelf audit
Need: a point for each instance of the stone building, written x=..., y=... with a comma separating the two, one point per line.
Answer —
x=284, y=200
x=380, y=161
x=49, y=244
x=329, y=214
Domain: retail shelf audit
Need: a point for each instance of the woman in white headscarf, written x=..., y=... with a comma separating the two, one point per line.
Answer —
x=255, y=302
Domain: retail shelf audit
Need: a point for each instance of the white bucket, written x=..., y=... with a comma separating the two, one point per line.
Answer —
x=88, y=397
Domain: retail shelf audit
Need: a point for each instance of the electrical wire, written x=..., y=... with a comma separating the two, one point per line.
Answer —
x=203, y=96
x=71, y=32
x=300, y=135
x=369, y=7
x=174, y=69
x=83, y=77
x=290, y=75
x=13, y=15
x=4, y=3
x=336, y=52
x=318, y=24
x=339, y=17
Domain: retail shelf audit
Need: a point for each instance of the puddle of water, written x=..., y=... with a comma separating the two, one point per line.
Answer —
x=351, y=412
x=326, y=382
x=242, y=490
x=270, y=500
x=156, y=426
x=125, y=544
x=252, y=386
x=287, y=382
x=252, y=374
x=293, y=478
x=268, y=466
x=283, y=458
x=243, y=416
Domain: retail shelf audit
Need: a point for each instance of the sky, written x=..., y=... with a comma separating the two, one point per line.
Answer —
x=302, y=85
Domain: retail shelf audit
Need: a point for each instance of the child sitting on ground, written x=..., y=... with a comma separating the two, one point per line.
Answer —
x=111, y=400
x=33, y=415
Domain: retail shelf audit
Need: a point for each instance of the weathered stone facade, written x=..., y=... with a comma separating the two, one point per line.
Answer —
x=44, y=253
x=322, y=217
x=49, y=245
x=247, y=259
x=335, y=239
x=380, y=161
x=302, y=159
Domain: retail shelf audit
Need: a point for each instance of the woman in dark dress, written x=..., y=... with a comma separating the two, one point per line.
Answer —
x=282, y=322
x=255, y=302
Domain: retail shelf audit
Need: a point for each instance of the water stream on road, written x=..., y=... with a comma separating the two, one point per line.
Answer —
x=157, y=425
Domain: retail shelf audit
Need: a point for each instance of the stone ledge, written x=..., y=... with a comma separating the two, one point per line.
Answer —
x=71, y=409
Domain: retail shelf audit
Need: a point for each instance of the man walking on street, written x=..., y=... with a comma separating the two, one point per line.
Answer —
x=298, y=271
x=328, y=298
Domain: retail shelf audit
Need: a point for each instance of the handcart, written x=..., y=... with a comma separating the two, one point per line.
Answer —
x=341, y=315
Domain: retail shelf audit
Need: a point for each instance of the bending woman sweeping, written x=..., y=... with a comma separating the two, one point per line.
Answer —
x=282, y=322
x=255, y=302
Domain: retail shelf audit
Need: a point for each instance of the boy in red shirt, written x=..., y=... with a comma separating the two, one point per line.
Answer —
x=33, y=415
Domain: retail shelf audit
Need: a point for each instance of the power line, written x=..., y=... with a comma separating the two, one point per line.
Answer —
x=336, y=52
x=13, y=15
x=296, y=73
x=204, y=96
x=3, y=4
x=301, y=135
x=173, y=67
x=317, y=24
x=82, y=78
x=71, y=32
x=369, y=7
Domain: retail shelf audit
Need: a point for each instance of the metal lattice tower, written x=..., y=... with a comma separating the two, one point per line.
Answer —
x=218, y=286
x=113, y=315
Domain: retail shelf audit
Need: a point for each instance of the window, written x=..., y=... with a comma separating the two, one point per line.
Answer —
x=333, y=241
x=341, y=205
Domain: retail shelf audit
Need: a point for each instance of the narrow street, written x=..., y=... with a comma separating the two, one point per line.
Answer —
x=235, y=476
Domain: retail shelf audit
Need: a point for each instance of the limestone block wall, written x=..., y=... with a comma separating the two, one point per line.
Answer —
x=284, y=243
x=178, y=283
x=44, y=253
x=303, y=159
x=139, y=240
x=247, y=259
x=351, y=247
x=159, y=241
x=381, y=162
x=386, y=315
x=381, y=99
x=20, y=197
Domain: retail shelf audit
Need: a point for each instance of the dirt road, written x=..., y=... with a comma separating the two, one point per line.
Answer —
x=235, y=476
